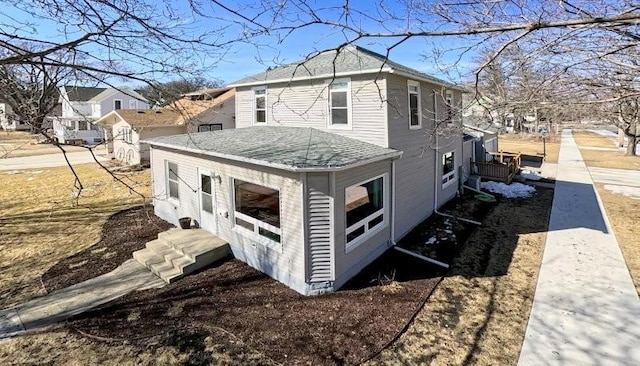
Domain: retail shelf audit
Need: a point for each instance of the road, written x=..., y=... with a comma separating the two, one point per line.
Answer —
x=46, y=161
x=621, y=177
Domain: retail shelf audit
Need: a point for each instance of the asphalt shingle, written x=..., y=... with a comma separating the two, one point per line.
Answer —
x=288, y=148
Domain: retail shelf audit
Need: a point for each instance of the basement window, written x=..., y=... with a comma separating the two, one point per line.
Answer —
x=257, y=210
x=365, y=210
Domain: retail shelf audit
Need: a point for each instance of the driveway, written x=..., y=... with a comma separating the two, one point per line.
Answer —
x=47, y=161
x=622, y=177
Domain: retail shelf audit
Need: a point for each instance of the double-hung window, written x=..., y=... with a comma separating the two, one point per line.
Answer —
x=365, y=210
x=257, y=210
x=340, y=103
x=415, y=113
x=132, y=104
x=172, y=180
x=448, y=169
x=260, y=105
x=117, y=104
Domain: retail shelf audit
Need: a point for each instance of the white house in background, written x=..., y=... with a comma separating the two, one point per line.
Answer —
x=205, y=110
x=8, y=122
x=81, y=106
x=332, y=161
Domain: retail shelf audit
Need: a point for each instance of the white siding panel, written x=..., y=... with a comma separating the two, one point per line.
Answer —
x=304, y=104
x=285, y=264
x=320, y=214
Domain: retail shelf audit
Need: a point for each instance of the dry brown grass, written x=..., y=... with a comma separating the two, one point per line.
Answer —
x=624, y=215
x=481, y=319
x=15, y=135
x=588, y=138
x=610, y=159
x=40, y=226
x=530, y=145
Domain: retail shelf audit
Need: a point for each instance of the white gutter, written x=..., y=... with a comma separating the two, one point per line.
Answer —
x=392, y=155
x=427, y=80
x=312, y=77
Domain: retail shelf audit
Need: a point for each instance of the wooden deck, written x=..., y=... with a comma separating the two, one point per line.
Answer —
x=502, y=167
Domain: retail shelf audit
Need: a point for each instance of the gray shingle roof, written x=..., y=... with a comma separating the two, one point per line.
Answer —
x=350, y=59
x=82, y=93
x=288, y=148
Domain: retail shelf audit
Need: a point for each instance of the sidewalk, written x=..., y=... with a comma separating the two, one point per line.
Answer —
x=62, y=304
x=586, y=310
x=48, y=161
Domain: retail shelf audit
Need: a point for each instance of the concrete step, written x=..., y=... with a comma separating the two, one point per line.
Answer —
x=177, y=253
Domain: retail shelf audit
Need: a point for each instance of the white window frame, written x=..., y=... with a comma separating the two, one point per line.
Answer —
x=176, y=200
x=330, y=124
x=368, y=232
x=449, y=105
x=257, y=224
x=254, y=119
x=449, y=178
x=133, y=104
x=114, y=104
x=127, y=135
x=411, y=83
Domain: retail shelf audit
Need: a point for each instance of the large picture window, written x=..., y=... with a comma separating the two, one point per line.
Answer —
x=257, y=209
x=172, y=180
x=339, y=104
x=260, y=104
x=448, y=168
x=415, y=115
x=364, y=206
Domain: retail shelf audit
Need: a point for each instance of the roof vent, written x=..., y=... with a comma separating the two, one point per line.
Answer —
x=141, y=112
x=158, y=111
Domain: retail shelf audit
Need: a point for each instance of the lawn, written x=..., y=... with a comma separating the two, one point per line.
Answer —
x=588, y=138
x=18, y=143
x=476, y=315
x=530, y=145
x=615, y=159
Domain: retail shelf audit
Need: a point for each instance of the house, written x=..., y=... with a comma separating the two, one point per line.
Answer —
x=486, y=134
x=8, y=122
x=81, y=106
x=129, y=126
x=332, y=161
x=205, y=110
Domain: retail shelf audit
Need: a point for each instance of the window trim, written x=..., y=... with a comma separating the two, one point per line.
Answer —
x=257, y=224
x=210, y=124
x=368, y=232
x=448, y=101
x=451, y=176
x=349, y=125
x=254, y=118
x=114, y=104
x=175, y=200
x=133, y=104
x=411, y=83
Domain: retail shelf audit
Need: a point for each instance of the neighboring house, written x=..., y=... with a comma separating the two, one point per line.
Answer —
x=331, y=162
x=486, y=134
x=207, y=110
x=129, y=126
x=8, y=122
x=81, y=106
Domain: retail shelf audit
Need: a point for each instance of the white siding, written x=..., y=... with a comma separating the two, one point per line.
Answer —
x=304, y=104
x=349, y=264
x=285, y=264
x=319, y=223
x=107, y=104
x=224, y=113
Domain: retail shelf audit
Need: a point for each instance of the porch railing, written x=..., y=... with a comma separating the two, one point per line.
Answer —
x=502, y=166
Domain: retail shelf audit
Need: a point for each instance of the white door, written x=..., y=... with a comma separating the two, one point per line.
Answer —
x=207, y=201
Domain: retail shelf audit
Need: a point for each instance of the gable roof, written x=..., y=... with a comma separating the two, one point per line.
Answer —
x=287, y=148
x=189, y=109
x=149, y=117
x=82, y=93
x=125, y=90
x=349, y=60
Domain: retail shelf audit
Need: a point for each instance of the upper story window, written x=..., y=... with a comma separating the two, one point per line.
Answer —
x=449, y=105
x=260, y=105
x=340, y=103
x=117, y=104
x=415, y=110
x=448, y=169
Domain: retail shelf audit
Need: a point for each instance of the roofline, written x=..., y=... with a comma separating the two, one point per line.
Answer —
x=134, y=126
x=427, y=80
x=393, y=156
x=479, y=129
x=313, y=77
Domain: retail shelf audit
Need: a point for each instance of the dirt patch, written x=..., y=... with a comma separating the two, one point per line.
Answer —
x=478, y=314
x=624, y=215
x=122, y=234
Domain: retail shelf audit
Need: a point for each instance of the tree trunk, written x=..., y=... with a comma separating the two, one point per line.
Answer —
x=631, y=145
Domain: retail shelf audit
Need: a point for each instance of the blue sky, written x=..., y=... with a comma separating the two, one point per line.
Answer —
x=242, y=58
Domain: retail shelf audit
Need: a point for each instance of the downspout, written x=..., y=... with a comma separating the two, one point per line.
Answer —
x=393, y=203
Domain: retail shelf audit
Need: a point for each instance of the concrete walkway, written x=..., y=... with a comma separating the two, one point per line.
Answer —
x=62, y=304
x=586, y=310
x=47, y=161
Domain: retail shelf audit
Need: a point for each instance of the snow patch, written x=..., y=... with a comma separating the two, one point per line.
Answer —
x=513, y=190
x=530, y=175
x=633, y=192
x=432, y=240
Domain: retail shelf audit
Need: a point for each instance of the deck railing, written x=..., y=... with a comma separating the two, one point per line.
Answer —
x=503, y=166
